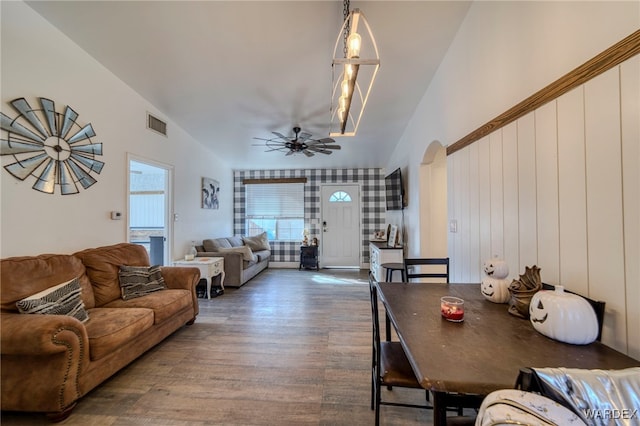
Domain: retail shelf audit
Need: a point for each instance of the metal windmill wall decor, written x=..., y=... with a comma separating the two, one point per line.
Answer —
x=50, y=146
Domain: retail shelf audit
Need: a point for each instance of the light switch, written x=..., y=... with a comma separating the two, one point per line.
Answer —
x=453, y=226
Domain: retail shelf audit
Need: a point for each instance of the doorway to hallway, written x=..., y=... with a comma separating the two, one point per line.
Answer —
x=149, y=201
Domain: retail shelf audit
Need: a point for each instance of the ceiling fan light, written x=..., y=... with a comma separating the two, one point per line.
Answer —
x=354, y=43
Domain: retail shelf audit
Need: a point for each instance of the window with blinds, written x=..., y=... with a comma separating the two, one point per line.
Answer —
x=275, y=208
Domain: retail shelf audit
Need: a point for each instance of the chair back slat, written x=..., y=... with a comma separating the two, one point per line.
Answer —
x=410, y=263
x=375, y=318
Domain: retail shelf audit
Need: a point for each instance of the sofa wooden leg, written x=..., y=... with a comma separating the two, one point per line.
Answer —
x=191, y=321
x=61, y=415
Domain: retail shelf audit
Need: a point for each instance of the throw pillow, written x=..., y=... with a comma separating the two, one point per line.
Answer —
x=63, y=299
x=215, y=244
x=258, y=242
x=247, y=254
x=138, y=281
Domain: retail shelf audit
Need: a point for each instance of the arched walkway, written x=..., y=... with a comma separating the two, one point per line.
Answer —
x=433, y=201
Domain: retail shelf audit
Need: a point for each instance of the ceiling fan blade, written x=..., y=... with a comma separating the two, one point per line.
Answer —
x=332, y=147
x=280, y=135
x=308, y=153
x=320, y=150
x=289, y=153
x=326, y=140
x=304, y=136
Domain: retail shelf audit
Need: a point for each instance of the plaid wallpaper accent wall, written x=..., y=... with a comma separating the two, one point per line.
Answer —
x=372, y=203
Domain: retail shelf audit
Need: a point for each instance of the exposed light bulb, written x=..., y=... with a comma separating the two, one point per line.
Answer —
x=342, y=103
x=345, y=88
x=348, y=71
x=342, y=115
x=354, y=42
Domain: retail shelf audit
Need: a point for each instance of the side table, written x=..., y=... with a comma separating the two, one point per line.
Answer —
x=209, y=267
x=309, y=257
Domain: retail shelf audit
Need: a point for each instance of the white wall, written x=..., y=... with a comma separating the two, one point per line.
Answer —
x=40, y=61
x=514, y=193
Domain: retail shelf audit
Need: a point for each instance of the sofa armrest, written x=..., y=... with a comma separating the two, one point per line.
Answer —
x=25, y=334
x=233, y=264
x=183, y=277
x=42, y=358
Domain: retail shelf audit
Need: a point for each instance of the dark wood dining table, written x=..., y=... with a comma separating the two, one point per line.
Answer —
x=483, y=353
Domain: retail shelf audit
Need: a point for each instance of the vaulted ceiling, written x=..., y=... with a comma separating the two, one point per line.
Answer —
x=229, y=71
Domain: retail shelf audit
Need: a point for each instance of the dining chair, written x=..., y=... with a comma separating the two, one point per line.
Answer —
x=389, y=364
x=437, y=267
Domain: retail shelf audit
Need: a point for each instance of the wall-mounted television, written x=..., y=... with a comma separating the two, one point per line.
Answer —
x=394, y=191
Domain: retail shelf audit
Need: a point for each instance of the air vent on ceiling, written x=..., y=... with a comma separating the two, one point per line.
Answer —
x=157, y=125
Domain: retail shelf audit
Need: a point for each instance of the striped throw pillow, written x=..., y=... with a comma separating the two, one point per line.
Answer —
x=63, y=299
x=137, y=281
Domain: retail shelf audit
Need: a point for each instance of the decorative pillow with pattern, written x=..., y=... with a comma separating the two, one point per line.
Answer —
x=258, y=242
x=63, y=299
x=138, y=281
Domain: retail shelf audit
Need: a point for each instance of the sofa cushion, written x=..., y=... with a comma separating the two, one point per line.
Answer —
x=43, y=271
x=247, y=254
x=215, y=244
x=236, y=241
x=137, y=281
x=258, y=242
x=108, y=329
x=164, y=304
x=62, y=299
x=262, y=255
x=103, y=263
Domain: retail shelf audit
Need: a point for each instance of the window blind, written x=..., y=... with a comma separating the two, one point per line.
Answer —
x=275, y=200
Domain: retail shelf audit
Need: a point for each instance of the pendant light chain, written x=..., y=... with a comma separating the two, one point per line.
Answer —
x=347, y=27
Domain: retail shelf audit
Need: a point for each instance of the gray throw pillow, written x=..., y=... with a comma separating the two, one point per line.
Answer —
x=138, y=281
x=246, y=252
x=62, y=299
x=258, y=242
x=215, y=244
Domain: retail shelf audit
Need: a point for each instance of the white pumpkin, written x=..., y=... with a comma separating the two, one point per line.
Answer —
x=563, y=316
x=496, y=268
x=495, y=290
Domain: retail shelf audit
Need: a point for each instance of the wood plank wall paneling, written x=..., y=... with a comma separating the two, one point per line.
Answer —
x=572, y=192
x=561, y=187
x=615, y=55
x=510, y=196
x=547, y=192
x=496, y=211
x=527, y=222
x=484, y=191
x=630, y=102
x=473, y=217
x=605, y=242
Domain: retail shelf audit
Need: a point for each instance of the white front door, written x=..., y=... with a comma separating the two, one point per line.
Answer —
x=340, y=245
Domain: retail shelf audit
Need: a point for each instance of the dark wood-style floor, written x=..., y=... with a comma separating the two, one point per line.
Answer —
x=288, y=348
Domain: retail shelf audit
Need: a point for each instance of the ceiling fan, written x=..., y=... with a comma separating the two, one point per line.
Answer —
x=301, y=142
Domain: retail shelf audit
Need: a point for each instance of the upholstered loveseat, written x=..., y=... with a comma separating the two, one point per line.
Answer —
x=50, y=361
x=244, y=257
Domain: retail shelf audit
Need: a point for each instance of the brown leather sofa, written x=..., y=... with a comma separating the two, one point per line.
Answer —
x=50, y=361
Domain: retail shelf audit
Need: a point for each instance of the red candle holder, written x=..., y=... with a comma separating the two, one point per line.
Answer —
x=452, y=308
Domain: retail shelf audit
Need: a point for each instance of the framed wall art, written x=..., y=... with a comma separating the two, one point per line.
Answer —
x=210, y=193
x=393, y=236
